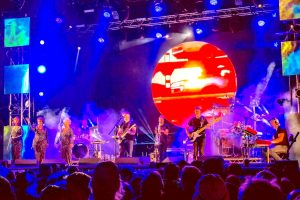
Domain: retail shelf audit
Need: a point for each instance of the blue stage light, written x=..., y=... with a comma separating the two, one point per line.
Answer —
x=41, y=69
x=261, y=23
x=158, y=35
x=213, y=2
x=41, y=94
x=106, y=14
x=199, y=31
x=101, y=40
x=42, y=42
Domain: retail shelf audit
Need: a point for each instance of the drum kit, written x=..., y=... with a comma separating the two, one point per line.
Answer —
x=237, y=141
x=88, y=145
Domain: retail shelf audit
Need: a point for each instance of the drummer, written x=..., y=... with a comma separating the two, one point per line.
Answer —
x=84, y=131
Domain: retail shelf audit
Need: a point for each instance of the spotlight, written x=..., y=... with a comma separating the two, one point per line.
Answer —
x=276, y=44
x=261, y=23
x=213, y=2
x=58, y=20
x=42, y=42
x=101, y=40
x=158, y=35
x=41, y=94
x=199, y=31
x=41, y=69
x=158, y=8
x=106, y=14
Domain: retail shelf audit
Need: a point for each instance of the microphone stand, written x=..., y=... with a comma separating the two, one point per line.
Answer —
x=113, y=130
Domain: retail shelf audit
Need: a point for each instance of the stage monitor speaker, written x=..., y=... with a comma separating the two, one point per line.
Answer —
x=25, y=162
x=173, y=159
x=144, y=160
x=83, y=161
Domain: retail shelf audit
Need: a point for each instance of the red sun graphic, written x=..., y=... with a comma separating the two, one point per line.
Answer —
x=193, y=74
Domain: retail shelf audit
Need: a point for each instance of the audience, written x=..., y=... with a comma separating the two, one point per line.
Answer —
x=207, y=180
x=78, y=186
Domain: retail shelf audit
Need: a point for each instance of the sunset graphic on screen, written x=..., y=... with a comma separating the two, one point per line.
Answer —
x=193, y=74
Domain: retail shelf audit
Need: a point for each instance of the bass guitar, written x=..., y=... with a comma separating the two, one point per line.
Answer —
x=120, y=137
x=194, y=135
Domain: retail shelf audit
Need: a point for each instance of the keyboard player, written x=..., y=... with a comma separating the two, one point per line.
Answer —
x=279, y=142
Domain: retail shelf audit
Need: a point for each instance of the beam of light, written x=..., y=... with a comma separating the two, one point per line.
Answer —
x=77, y=58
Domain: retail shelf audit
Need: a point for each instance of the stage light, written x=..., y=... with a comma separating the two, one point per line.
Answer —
x=199, y=31
x=158, y=8
x=42, y=42
x=78, y=48
x=41, y=69
x=261, y=23
x=41, y=94
x=213, y=2
x=106, y=14
x=275, y=44
x=58, y=20
x=101, y=40
x=158, y=35
x=188, y=33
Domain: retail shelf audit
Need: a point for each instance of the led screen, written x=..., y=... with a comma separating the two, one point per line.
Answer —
x=16, y=32
x=193, y=74
x=290, y=54
x=16, y=79
x=289, y=9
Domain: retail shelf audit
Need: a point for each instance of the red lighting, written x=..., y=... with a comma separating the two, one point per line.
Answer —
x=193, y=74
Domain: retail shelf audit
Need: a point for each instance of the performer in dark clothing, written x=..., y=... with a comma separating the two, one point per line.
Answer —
x=16, y=138
x=195, y=123
x=126, y=135
x=280, y=140
x=40, y=140
x=84, y=130
x=66, y=140
x=161, y=137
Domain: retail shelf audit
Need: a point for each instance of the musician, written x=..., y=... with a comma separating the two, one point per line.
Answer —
x=66, y=140
x=126, y=133
x=40, y=140
x=15, y=139
x=84, y=130
x=161, y=136
x=195, y=123
x=279, y=143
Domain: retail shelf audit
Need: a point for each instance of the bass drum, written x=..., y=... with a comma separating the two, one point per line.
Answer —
x=80, y=149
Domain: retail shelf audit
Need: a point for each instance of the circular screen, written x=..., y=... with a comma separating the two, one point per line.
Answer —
x=193, y=74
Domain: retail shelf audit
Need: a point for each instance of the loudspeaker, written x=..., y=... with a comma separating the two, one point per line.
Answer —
x=89, y=161
x=134, y=161
x=25, y=162
x=173, y=159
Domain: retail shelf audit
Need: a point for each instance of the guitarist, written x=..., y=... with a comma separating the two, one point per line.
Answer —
x=126, y=132
x=194, y=124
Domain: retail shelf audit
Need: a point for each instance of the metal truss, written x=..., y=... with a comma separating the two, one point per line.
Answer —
x=192, y=17
x=19, y=105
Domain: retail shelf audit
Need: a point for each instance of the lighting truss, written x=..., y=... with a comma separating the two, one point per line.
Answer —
x=191, y=17
x=181, y=18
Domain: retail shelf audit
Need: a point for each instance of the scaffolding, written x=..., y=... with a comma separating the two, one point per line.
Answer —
x=19, y=103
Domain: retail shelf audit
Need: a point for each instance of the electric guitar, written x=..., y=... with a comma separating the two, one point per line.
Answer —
x=121, y=137
x=194, y=135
